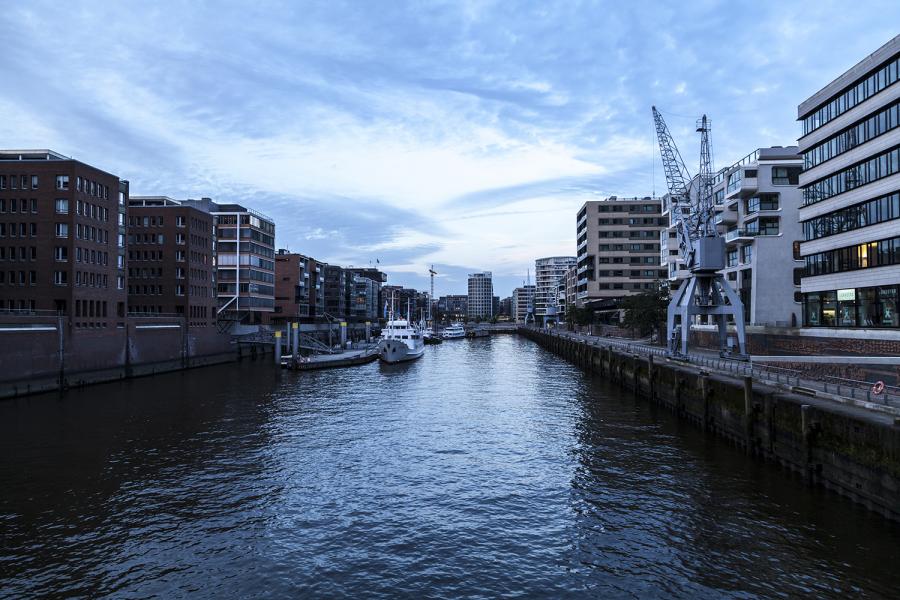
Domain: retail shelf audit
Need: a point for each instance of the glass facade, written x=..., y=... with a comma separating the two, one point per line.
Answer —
x=852, y=307
x=879, y=210
x=862, y=90
x=862, y=256
x=868, y=129
x=879, y=166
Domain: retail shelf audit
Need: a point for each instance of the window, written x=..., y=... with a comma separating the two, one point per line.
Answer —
x=62, y=230
x=60, y=278
x=180, y=221
x=62, y=206
x=732, y=257
x=179, y=290
x=734, y=180
x=61, y=253
x=882, y=165
x=62, y=182
x=2, y=182
x=34, y=182
x=747, y=254
x=762, y=202
x=785, y=175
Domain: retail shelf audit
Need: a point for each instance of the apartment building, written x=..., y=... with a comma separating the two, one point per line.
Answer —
x=547, y=273
x=364, y=297
x=245, y=261
x=453, y=306
x=480, y=300
x=757, y=204
x=335, y=291
x=299, y=288
x=171, y=260
x=618, y=251
x=62, y=246
x=522, y=302
x=851, y=196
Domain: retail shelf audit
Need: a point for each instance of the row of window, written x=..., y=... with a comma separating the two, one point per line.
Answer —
x=629, y=247
x=862, y=256
x=879, y=166
x=626, y=286
x=761, y=202
x=90, y=279
x=746, y=252
x=862, y=90
x=878, y=210
x=632, y=221
x=25, y=253
x=21, y=305
x=647, y=208
x=84, y=185
x=634, y=260
x=873, y=126
x=643, y=273
x=854, y=307
x=90, y=308
x=19, y=182
x=18, y=229
x=18, y=205
x=83, y=209
x=637, y=234
x=24, y=278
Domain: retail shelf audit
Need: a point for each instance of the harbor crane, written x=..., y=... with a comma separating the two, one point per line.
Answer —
x=431, y=273
x=704, y=291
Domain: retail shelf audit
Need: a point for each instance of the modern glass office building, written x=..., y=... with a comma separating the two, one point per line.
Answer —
x=851, y=196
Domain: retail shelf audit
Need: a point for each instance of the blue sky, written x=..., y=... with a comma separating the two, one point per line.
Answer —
x=464, y=134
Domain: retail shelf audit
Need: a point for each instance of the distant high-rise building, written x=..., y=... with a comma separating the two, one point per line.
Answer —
x=335, y=291
x=522, y=302
x=618, y=252
x=481, y=296
x=547, y=272
x=299, y=287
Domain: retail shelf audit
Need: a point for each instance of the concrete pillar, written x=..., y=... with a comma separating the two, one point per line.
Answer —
x=295, y=340
x=278, y=348
x=651, y=384
x=343, y=335
x=368, y=331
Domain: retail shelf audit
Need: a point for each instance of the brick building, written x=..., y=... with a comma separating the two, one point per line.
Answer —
x=299, y=287
x=171, y=267
x=61, y=246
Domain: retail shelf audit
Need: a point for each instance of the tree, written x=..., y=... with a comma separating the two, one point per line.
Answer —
x=646, y=312
x=581, y=316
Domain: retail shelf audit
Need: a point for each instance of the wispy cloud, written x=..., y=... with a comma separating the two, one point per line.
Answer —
x=463, y=134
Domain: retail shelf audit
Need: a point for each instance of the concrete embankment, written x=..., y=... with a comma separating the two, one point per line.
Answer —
x=846, y=449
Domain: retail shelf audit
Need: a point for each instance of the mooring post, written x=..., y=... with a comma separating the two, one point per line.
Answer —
x=343, y=335
x=651, y=373
x=295, y=340
x=368, y=332
x=278, y=348
x=748, y=412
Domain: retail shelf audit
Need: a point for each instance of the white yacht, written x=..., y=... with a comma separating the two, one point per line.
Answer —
x=401, y=341
x=454, y=332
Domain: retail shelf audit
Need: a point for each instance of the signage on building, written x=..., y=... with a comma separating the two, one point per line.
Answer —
x=848, y=295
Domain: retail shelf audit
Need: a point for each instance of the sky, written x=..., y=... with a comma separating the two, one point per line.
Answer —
x=463, y=134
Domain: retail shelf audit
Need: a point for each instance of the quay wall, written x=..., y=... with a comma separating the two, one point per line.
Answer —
x=37, y=357
x=851, y=452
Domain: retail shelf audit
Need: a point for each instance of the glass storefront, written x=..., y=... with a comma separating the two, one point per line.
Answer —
x=852, y=307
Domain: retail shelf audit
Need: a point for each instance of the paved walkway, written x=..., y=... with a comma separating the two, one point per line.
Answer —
x=853, y=395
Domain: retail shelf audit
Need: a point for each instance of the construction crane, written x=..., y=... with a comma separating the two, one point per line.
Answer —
x=704, y=291
x=431, y=273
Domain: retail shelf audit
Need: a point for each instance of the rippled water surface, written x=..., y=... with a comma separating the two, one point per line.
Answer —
x=488, y=468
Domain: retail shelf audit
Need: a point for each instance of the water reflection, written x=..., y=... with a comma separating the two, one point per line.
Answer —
x=487, y=468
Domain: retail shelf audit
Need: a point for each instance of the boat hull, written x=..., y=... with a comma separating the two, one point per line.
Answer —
x=395, y=351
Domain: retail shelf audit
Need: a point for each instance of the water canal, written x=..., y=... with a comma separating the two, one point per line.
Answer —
x=488, y=468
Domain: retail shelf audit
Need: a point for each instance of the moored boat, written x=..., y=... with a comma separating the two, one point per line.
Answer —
x=454, y=332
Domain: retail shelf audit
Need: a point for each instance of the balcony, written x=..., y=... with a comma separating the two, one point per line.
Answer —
x=727, y=217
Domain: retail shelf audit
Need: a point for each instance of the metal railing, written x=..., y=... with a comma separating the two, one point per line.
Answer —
x=781, y=376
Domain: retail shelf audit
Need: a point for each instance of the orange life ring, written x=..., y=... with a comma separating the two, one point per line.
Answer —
x=878, y=388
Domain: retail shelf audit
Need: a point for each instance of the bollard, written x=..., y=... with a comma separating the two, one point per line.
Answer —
x=278, y=348
x=343, y=334
x=368, y=331
x=295, y=341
